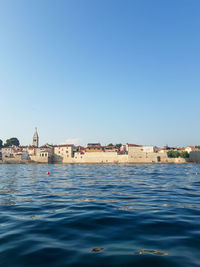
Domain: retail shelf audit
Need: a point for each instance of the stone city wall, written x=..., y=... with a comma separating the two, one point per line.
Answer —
x=195, y=156
x=152, y=157
x=41, y=159
x=114, y=157
x=97, y=157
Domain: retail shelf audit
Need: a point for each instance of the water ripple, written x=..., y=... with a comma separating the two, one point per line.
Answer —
x=99, y=215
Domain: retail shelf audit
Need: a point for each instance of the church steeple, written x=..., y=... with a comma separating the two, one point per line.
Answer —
x=35, y=139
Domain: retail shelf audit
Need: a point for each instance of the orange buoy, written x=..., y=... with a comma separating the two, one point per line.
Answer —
x=47, y=173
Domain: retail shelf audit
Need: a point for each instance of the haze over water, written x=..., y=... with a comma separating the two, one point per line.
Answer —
x=140, y=215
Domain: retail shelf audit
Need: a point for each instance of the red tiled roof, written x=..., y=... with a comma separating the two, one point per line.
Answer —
x=133, y=145
x=62, y=145
x=46, y=146
x=93, y=144
x=80, y=147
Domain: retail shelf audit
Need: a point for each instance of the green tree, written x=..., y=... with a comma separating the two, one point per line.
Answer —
x=118, y=145
x=184, y=154
x=173, y=154
x=12, y=141
x=1, y=143
x=110, y=144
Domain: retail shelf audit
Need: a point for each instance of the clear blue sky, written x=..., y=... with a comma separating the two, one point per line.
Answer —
x=100, y=71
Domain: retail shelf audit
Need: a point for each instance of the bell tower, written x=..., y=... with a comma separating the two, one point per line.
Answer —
x=35, y=139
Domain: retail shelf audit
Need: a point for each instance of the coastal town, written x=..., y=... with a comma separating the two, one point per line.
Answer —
x=96, y=153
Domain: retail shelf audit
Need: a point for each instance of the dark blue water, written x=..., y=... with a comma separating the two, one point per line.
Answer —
x=100, y=215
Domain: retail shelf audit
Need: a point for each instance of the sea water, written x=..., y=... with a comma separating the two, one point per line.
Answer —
x=100, y=215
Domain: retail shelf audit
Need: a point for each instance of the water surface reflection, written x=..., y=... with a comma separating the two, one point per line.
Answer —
x=129, y=215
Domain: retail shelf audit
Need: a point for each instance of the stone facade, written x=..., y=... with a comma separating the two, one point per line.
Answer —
x=63, y=153
x=195, y=156
x=41, y=159
x=66, y=154
x=35, y=139
x=99, y=157
x=43, y=154
x=94, y=153
x=149, y=149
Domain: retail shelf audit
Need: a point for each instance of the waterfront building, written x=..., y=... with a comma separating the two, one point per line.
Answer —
x=150, y=149
x=29, y=149
x=110, y=149
x=94, y=153
x=43, y=154
x=134, y=148
x=123, y=149
x=80, y=149
x=190, y=149
x=63, y=153
x=13, y=153
x=94, y=147
x=162, y=150
x=181, y=149
x=10, y=151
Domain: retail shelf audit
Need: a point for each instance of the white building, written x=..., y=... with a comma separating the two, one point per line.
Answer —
x=63, y=153
x=149, y=149
x=190, y=149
